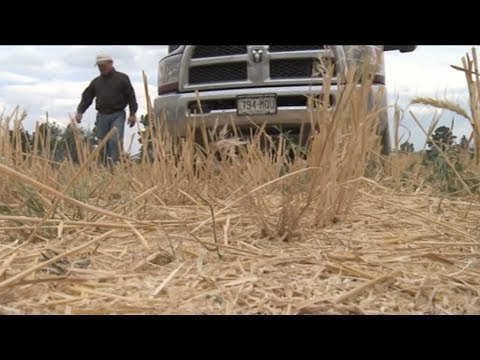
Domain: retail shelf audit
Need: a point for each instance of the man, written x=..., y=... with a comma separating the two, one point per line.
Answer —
x=113, y=92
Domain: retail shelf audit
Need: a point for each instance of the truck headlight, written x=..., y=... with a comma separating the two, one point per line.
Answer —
x=168, y=74
x=356, y=55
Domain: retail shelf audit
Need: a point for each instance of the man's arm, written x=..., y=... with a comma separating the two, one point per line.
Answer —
x=87, y=98
x=132, y=100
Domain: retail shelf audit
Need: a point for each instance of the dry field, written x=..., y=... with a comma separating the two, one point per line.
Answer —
x=241, y=228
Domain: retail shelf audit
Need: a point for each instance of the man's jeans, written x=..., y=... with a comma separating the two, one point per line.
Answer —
x=104, y=123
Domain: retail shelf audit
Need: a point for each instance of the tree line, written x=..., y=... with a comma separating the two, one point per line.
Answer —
x=443, y=139
x=59, y=143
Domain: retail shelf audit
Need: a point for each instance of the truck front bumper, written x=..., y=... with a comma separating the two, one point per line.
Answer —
x=176, y=108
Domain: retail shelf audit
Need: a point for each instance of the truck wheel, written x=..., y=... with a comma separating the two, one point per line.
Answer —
x=385, y=142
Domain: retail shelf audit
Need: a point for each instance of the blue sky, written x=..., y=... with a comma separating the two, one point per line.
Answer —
x=52, y=78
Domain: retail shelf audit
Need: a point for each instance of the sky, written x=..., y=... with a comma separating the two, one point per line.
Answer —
x=41, y=79
x=426, y=72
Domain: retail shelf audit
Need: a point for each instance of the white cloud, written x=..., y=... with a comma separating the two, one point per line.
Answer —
x=16, y=78
x=28, y=56
x=425, y=71
x=56, y=97
x=418, y=109
x=43, y=118
x=65, y=102
x=84, y=56
x=47, y=87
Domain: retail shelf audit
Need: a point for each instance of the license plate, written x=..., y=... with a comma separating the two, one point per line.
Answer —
x=257, y=104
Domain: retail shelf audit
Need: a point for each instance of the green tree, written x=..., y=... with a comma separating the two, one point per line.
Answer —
x=442, y=147
x=62, y=143
x=407, y=147
x=49, y=136
x=23, y=137
x=73, y=135
x=464, y=142
x=444, y=140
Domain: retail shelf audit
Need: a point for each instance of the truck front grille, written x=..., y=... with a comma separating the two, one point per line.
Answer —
x=205, y=51
x=288, y=48
x=218, y=73
x=291, y=68
x=218, y=67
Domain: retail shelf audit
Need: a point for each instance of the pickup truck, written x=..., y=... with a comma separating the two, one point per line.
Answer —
x=259, y=83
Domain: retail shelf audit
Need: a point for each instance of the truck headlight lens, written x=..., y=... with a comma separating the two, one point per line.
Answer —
x=168, y=74
x=356, y=55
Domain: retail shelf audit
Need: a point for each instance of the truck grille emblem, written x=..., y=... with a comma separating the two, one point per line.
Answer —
x=257, y=55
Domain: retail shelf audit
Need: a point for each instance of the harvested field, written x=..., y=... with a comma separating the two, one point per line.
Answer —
x=240, y=228
x=394, y=254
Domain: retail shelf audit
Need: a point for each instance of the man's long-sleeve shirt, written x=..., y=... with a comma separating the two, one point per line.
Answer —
x=113, y=92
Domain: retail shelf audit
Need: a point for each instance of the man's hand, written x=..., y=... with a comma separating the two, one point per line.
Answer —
x=132, y=119
x=78, y=118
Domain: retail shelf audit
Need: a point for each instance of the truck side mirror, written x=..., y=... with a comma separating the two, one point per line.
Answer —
x=172, y=48
x=401, y=48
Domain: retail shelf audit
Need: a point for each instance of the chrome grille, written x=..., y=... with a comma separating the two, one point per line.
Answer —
x=205, y=51
x=291, y=68
x=218, y=73
x=233, y=66
x=286, y=48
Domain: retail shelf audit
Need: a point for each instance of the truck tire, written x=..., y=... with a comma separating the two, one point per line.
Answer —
x=385, y=142
x=382, y=127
